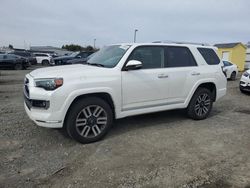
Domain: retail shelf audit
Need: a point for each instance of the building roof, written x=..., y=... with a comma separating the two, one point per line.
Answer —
x=228, y=45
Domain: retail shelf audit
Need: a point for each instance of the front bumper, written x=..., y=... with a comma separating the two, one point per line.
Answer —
x=38, y=106
x=245, y=83
x=42, y=118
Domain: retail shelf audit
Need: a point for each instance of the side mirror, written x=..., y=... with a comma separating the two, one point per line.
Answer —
x=133, y=65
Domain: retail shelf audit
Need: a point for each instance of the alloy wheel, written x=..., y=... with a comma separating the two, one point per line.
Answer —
x=202, y=104
x=91, y=121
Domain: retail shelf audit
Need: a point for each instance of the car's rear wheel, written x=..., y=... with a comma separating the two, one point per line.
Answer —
x=233, y=76
x=45, y=62
x=18, y=66
x=89, y=119
x=201, y=104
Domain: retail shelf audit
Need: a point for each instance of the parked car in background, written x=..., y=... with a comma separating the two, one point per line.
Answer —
x=30, y=56
x=44, y=59
x=79, y=60
x=230, y=70
x=245, y=82
x=13, y=61
x=76, y=55
x=124, y=80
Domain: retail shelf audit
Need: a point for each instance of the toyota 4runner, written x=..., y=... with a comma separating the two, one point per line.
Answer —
x=124, y=80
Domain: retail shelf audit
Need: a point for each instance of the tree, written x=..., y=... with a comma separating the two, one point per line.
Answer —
x=72, y=47
x=76, y=47
x=11, y=46
x=89, y=48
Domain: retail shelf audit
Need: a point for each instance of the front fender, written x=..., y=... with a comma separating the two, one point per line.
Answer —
x=81, y=92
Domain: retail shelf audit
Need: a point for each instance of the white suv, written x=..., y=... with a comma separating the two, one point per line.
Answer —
x=44, y=59
x=124, y=80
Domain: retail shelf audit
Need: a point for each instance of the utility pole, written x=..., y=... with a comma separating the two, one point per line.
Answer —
x=94, y=43
x=135, y=35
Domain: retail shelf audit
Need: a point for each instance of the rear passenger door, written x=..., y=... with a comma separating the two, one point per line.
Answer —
x=182, y=71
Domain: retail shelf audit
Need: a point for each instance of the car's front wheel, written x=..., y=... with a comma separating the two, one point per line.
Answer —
x=18, y=66
x=45, y=62
x=89, y=119
x=233, y=76
x=201, y=104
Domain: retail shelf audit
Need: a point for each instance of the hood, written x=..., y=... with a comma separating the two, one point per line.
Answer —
x=65, y=71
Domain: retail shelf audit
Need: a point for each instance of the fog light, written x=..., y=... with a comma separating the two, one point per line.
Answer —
x=40, y=104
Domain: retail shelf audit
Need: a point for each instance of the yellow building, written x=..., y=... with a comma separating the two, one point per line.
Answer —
x=233, y=52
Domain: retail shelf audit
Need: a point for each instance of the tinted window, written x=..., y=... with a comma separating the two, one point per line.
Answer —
x=209, y=55
x=24, y=54
x=41, y=55
x=83, y=54
x=151, y=57
x=179, y=57
x=10, y=56
x=226, y=63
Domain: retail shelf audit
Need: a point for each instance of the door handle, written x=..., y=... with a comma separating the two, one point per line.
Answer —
x=162, y=76
x=195, y=73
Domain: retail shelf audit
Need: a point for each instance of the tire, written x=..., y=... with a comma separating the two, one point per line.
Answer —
x=233, y=76
x=82, y=120
x=45, y=62
x=200, y=105
x=243, y=91
x=18, y=66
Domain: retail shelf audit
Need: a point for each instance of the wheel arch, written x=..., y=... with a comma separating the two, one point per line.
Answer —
x=103, y=95
x=211, y=87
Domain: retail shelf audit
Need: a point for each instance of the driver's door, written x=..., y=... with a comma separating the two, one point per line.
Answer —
x=148, y=86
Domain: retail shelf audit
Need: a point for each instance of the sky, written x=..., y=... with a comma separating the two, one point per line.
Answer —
x=25, y=23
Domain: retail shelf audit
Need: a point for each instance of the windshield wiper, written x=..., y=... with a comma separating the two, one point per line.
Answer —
x=94, y=64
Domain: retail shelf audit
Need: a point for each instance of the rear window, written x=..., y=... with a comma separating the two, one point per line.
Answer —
x=41, y=55
x=209, y=55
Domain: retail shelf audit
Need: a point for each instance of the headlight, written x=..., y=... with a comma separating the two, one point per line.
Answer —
x=49, y=83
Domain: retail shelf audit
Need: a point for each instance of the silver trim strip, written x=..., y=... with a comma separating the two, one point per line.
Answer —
x=153, y=105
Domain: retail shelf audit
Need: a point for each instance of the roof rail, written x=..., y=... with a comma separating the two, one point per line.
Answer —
x=180, y=42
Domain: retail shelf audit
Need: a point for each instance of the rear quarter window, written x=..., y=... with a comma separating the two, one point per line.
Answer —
x=209, y=55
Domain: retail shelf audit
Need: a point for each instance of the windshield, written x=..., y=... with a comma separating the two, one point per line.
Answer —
x=109, y=56
x=74, y=54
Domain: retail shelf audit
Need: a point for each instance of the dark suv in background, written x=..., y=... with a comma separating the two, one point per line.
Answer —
x=63, y=60
x=30, y=56
x=13, y=61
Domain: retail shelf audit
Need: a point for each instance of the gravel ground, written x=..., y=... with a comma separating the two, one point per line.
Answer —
x=156, y=150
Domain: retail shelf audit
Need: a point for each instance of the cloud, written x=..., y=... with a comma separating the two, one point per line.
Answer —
x=57, y=22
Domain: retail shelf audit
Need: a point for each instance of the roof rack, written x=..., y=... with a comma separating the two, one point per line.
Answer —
x=180, y=42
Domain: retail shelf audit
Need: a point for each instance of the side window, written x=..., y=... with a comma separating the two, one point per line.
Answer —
x=179, y=57
x=226, y=63
x=83, y=55
x=150, y=56
x=209, y=55
x=10, y=56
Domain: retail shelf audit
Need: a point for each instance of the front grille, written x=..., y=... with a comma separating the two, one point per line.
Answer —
x=27, y=101
x=26, y=87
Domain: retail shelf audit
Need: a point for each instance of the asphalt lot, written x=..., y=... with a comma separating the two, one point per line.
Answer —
x=163, y=149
